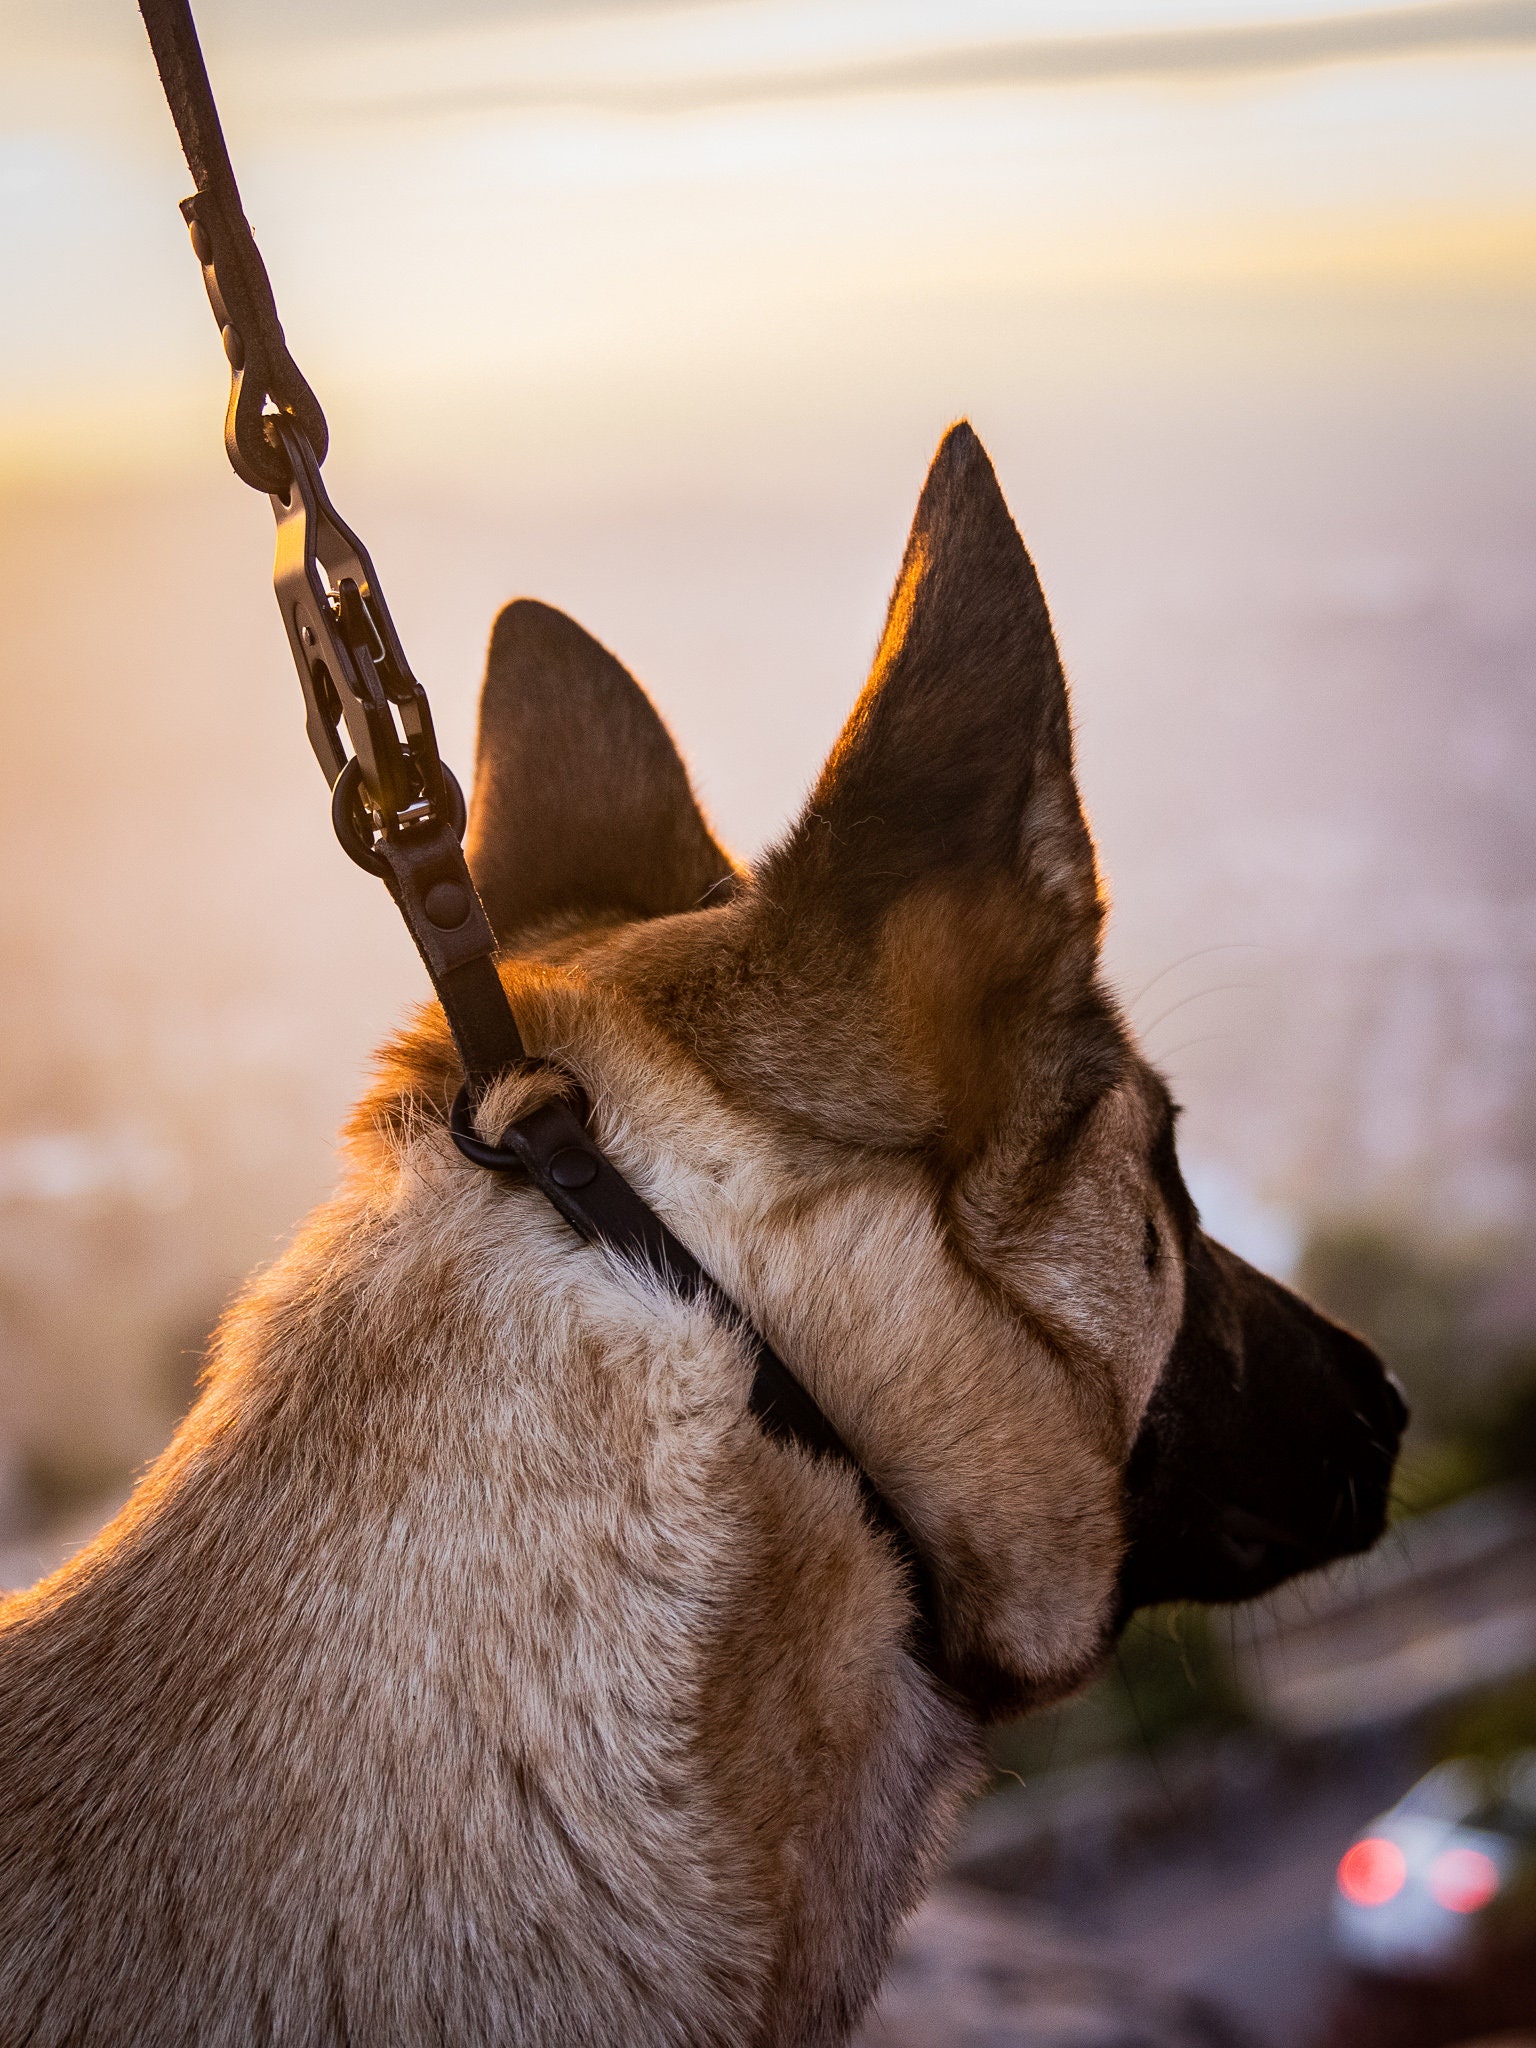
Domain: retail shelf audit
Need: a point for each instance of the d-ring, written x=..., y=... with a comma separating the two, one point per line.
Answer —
x=349, y=815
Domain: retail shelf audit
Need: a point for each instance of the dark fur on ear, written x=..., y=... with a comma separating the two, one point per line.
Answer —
x=957, y=760
x=582, y=807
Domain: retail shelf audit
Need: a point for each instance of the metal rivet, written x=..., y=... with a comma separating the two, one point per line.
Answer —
x=234, y=348
x=202, y=243
x=573, y=1169
x=307, y=635
x=447, y=905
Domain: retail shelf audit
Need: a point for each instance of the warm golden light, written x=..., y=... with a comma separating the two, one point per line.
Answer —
x=657, y=312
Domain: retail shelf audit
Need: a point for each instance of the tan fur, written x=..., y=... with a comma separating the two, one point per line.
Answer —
x=471, y=1668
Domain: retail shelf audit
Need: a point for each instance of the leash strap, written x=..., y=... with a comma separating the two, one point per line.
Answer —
x=235, y=276
x=396, y=807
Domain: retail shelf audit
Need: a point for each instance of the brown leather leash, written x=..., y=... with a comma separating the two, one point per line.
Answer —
x=397, y=809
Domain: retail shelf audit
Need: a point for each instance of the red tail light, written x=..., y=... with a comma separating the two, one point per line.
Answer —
x=1463, y=1880
x=1373, y=1871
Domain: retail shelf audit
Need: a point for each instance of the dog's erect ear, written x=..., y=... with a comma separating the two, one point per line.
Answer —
x=941, y=886
x=957, y=759
x=581, y=807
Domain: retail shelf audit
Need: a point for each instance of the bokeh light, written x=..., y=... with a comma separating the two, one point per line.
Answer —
x=1373, y=1872
x=1463, y=1879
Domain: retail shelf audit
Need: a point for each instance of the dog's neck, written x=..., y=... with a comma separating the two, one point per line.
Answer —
x=464, y=1584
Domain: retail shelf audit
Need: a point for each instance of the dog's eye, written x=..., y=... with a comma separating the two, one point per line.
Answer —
x=1150, y=1246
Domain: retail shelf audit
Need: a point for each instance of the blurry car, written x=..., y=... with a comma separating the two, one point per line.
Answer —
x=1446, y=1878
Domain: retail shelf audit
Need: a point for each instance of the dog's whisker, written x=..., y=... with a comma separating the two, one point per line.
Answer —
x=1185, y=960
x=1197, y=996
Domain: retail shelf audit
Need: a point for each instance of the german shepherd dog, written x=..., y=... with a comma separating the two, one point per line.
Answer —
x=472, y=1668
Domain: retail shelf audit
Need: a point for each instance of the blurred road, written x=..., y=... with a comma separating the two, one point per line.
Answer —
x=1200, y=1925
x=1240, y=1913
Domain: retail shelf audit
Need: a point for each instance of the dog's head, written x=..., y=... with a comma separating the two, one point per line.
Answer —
x=879, y=1087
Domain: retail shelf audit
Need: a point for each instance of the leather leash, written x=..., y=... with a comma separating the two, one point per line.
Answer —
x=396, y=807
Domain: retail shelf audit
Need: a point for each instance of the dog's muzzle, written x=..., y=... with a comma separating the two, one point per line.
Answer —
x=1267, y=1449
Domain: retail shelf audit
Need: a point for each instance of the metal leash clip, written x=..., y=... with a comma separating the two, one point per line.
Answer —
x=356, y=682
x=397, y=809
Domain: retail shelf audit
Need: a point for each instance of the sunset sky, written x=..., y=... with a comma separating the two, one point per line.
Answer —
x=588, y=234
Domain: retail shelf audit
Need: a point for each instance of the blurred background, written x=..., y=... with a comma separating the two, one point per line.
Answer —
x=657, y=311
